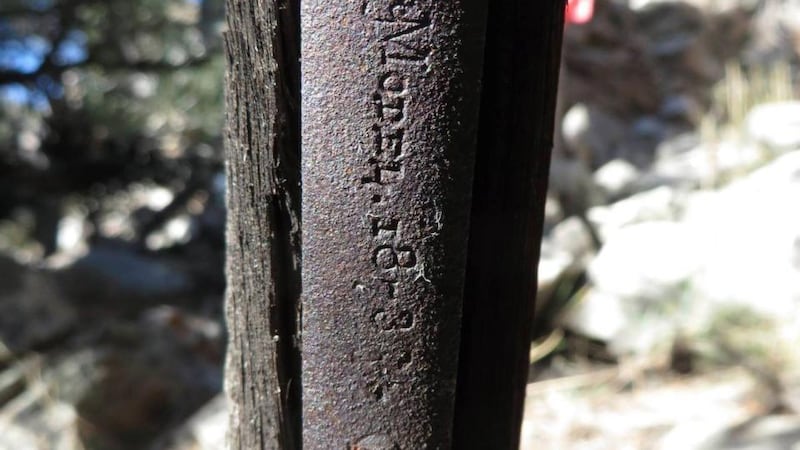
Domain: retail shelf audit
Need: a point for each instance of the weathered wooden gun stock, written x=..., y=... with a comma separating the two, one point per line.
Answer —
x=390, y=95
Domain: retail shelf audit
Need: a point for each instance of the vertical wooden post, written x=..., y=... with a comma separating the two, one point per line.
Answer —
x=523, y=46
x=389, y=112
x=262, y=376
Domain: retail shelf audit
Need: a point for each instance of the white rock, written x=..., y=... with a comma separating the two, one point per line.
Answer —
x=597, y=315
x=661, y=203
x=773, y=432
x=573, y=237
x=746, y=236
x=736, y=246
x=776, y=125
x=638, y=287
x=34, y=420
x=14, y=436
x=705, y=164
x=553, y=264
x=565, y=251
x=622, y=323
x=648, y=261
x=616, y=176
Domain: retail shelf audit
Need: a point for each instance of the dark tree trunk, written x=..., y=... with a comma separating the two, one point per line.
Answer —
x=263, y=258
x=523, y=47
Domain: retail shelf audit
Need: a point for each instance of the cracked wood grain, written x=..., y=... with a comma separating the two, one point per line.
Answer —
x=262, y=376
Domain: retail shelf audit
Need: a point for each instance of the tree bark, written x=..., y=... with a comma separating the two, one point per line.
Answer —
x=262, y=376
x=523, y=47
x=390, y=100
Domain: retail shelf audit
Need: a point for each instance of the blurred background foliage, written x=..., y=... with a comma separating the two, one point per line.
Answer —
x=111, y=220
x=99, y=96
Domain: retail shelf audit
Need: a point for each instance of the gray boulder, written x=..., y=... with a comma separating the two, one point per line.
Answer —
x=33, y=309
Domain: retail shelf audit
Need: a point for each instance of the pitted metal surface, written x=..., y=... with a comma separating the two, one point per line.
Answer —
x=390, y=92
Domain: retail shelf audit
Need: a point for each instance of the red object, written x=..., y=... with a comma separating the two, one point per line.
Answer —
x=580, y=11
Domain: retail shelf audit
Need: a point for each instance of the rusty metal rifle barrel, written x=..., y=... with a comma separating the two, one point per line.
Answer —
x=390, y=95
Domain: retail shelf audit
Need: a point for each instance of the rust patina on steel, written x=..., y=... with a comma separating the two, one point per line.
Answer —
x=390, y=94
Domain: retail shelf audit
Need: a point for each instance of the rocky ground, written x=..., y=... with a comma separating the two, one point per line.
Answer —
x=669, y=283
x=109, y=344
x=670, y=276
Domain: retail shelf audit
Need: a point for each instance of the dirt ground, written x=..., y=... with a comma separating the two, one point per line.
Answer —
x=614, y=408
